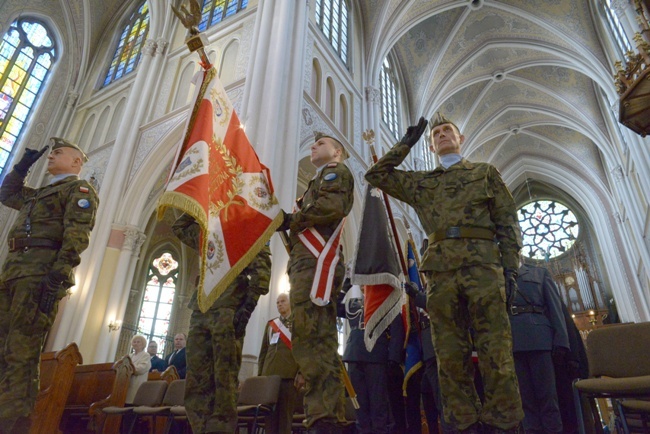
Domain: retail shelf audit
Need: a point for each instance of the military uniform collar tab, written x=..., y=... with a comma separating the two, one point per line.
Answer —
x=61, y=177
x=334, y=164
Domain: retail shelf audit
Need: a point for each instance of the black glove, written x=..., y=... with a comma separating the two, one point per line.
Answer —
x=285, y=222
x=50, y=287
x=411, y=289
x=511, y=285
x=414, y=132
x=242, y=315
x=28, y=159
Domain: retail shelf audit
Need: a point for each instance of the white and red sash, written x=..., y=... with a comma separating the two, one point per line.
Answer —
x=328, y=256
x=285, y=334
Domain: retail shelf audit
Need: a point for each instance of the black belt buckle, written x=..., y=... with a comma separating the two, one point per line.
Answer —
x=514, y=311
x=453, y=232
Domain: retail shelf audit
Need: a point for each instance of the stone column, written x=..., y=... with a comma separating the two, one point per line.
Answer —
x=271, y=111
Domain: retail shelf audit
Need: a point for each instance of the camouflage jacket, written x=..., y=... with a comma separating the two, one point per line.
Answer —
x=254, y=279
x=62, y=212
x=328, y=199
x=467, y=194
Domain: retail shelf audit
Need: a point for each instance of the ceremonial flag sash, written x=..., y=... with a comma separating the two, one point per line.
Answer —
x=285, y=334
x=218, y=180
x=328, y=257
x=377, y=268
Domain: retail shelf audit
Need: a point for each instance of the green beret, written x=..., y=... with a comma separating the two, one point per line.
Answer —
x=439, y=119
x=63, y=143
x=319, y=135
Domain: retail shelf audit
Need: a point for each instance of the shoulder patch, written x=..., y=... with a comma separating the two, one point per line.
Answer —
x=330, y=176
x=332, y=165
x=83, y=203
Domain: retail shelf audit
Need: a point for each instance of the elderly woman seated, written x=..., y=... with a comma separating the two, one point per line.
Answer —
x=142, y=363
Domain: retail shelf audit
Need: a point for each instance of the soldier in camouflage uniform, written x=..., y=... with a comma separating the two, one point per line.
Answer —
x=215, y=338
x=324, y=205
x=474, y=242
x=52, y=229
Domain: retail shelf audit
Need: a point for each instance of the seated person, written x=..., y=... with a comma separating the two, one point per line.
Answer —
x=157, y=364
x=142, y=363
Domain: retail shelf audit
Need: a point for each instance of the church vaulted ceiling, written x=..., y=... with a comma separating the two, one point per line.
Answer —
x=519, y=77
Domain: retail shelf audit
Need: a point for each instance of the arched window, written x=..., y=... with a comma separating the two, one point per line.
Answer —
x=215, y=11
x=129, y=49
x=315, y=81
x=27, y=53
x=343, y=115
x=616, y=28
x=158, y=299
x=332, y=19
x=329, y=98
x=549, y=229
x=388, y=92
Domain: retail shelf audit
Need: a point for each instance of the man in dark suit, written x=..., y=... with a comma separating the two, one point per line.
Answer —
x=539, y=335
x=157, y=364
x=177, y=358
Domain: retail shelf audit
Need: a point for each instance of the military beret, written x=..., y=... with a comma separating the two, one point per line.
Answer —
x=63, y=143
x=319, y=135
x=439, y=119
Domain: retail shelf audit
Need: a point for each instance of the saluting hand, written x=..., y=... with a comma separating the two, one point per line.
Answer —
x=414, y=132
x=30, y=157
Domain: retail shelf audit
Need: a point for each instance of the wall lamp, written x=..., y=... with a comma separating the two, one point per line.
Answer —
x=114, y=326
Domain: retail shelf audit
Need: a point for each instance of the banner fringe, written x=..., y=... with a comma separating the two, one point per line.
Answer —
x=408, y=376
x=383, y=317
x=204, y=305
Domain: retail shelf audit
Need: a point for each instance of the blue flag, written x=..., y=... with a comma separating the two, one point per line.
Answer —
x=413, y=360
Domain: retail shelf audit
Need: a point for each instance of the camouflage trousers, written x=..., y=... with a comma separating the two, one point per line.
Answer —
x=457, y=300
x=22, y=334
x=314, y=342
x=213, y=363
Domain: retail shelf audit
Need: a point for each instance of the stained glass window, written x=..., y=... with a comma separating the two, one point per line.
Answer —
x=332, y=19
x=27, y=52
x=616, y=28
x=158, y=300
x=129, y=48
x=215, y=11
x=549, y=229
x=388, y=92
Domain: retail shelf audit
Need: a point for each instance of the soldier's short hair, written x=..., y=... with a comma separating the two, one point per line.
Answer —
x=63, y=143
x=344, y=153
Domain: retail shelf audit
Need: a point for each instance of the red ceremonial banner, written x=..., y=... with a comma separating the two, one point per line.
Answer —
x=219, y=180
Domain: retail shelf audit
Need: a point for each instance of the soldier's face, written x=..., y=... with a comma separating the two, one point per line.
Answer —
x=325, y=151
x=446, y=139
x=64, y=160
x=284, y=308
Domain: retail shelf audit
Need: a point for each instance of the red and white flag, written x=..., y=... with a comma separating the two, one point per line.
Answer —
x=219, y=181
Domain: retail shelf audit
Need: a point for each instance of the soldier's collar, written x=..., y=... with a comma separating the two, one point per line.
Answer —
x=56, y=178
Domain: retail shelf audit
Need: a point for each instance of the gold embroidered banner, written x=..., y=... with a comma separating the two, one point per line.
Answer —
x=219, y=180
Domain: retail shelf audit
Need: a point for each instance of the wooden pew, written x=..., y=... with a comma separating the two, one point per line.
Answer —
x=56, y=377
x=95, y=387
x=170, y=374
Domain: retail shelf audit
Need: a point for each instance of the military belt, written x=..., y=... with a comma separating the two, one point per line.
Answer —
x=455, y=232
x=24, y=243
x=516, y=310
